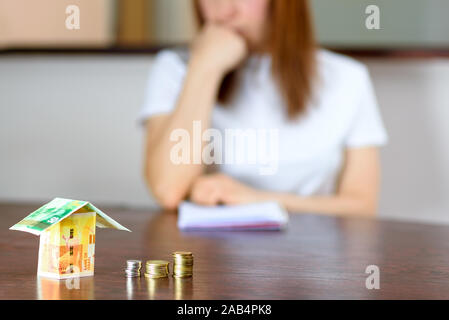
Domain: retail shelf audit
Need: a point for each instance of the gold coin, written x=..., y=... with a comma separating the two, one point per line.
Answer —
x=157, y=266
x=182, y=273
x=157, y=262
x=182, y=253
x=182, y=268
x=182, y=261
x=155, y=276
x=182, y=276
x=158, y=270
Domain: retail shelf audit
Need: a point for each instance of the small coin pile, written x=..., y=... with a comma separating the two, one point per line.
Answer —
x=182, y=264
x=156, y=269
x=133, y=268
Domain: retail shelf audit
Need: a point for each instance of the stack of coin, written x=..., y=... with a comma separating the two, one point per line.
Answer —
x=156, y=269
x=182, y=264
x=133, y=268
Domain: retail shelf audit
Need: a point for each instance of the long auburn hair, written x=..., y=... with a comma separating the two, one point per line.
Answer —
x=292, y=47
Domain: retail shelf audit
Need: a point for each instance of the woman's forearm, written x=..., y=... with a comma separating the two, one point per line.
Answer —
x=169, y=181
x=213, y=189
x=215, y=51
x=332, y=205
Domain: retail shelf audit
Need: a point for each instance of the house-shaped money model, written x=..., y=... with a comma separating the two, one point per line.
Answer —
x=67, y=236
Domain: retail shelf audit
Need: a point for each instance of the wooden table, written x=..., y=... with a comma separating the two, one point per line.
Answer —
x=317, y=257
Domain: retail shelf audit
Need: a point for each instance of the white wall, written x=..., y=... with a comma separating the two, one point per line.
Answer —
x=414, y=99
x=68, y=128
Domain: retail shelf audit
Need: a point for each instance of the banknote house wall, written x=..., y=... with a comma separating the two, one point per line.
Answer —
x=68, y=247
x=67, y=236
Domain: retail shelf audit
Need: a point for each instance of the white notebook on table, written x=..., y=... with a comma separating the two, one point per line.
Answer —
x=255, y=216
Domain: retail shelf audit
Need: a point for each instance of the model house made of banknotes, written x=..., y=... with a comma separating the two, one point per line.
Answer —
x=67, y=236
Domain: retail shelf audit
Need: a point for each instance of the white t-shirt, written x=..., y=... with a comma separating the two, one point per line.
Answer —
x=309, y=150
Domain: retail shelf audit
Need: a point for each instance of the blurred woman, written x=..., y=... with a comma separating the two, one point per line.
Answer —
x=255, y=65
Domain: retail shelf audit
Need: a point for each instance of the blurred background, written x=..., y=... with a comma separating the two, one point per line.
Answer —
x=69, y=99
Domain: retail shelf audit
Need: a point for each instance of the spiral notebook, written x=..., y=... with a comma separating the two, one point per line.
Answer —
x=256, y=216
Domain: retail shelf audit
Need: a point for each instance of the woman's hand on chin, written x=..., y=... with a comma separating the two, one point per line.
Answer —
x=218, y=48
x=214, y=189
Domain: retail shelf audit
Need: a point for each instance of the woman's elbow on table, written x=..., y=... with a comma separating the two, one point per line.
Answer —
x=366, y=207
x=168, y=196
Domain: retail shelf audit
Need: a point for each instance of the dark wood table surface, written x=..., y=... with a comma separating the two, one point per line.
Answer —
x=317, y=257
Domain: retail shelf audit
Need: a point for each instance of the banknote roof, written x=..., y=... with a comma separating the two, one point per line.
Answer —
x=57, y=210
